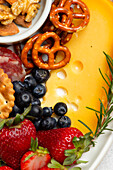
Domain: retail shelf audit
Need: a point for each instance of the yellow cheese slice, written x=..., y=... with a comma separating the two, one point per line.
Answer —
x=79, y=83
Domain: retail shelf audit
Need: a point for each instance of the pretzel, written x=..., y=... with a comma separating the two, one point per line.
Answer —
x=48, y=26
x=28, y=46
x=11, y=1
x=65, y=8
x=65, y=37
x=6, y=95
x=17, y=49
x=50, y=52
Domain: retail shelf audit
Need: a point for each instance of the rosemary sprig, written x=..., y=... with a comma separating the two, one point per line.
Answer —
x=104, y=114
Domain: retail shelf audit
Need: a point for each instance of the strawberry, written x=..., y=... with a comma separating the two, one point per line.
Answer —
x=59, y=140
x=5, y=168
x=15, y=141
x=35, y=159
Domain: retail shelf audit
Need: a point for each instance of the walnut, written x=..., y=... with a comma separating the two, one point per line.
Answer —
x=31, y=12
x=22, y=7
x=6, y=16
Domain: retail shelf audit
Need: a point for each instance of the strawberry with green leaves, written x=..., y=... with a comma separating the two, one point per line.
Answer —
x=15, y=139
x=36, y=158
x=66, y=145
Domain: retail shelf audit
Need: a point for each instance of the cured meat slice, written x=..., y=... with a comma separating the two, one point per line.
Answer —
x=11, y=64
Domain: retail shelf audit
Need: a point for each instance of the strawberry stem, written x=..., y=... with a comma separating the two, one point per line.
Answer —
x=55, y=164
x=37, y=149
x=11, y=122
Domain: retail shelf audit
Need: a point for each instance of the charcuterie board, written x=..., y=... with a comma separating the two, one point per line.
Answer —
x=79, y=82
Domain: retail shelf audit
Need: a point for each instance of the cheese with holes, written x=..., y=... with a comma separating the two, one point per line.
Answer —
x=79, y=83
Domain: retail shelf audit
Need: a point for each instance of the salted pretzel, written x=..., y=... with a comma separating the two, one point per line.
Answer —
x=28, y=46
x=65, y=8
x=48, y=26
x=27, y=59
x=50, y=52
x=6, y=95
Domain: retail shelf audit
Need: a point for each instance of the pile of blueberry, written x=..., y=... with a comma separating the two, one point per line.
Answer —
x=29, y=92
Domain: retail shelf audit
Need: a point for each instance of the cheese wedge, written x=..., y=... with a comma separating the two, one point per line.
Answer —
x=79, y=83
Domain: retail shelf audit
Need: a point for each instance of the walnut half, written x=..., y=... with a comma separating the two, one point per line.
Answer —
x=6, y=16
x=26, y=7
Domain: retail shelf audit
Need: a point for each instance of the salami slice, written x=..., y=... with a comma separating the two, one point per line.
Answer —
x=11, y=64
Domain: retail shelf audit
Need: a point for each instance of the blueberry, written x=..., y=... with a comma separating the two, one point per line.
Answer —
x=23, y=99
x=18, y=86
x=37, y=123
x=35, y=101
x=40, y=75
x=30, y=81
x=48, y=123
x=60, y=109
x=15, y=110
x=47, y=111
x=64, y=121
x=36, y=111
x=39, y=91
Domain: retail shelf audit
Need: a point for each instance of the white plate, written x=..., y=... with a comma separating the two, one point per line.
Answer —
x=37, y=22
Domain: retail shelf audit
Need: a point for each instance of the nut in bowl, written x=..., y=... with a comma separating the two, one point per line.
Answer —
x=26, y=31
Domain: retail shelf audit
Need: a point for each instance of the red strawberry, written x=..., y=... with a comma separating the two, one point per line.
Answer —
x=58, y=140
x=5, y=168
x=15, y=141
x=36, y=159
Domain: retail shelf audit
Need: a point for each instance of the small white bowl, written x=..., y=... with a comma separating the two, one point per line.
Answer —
x=37, y=22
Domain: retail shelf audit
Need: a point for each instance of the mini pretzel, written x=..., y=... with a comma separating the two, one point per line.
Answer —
x=17, y=49
x=65, y=8
x=28, y=46
x=50, y=52
x=64, y=35
x=48, y=26
x=6, y=95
